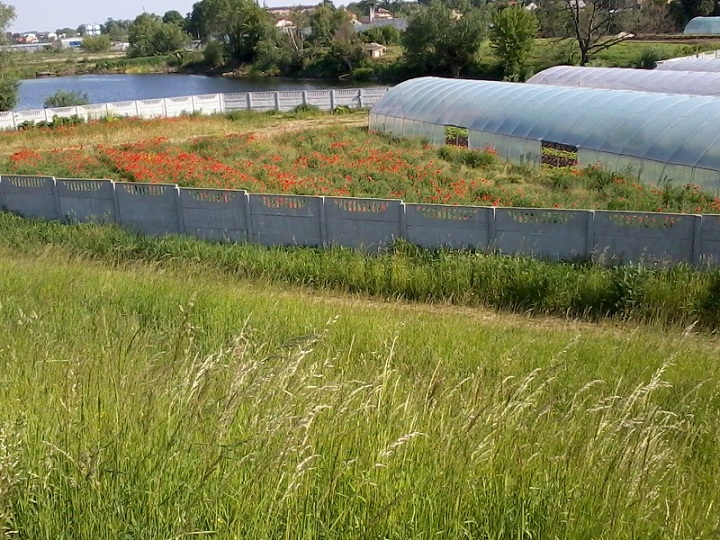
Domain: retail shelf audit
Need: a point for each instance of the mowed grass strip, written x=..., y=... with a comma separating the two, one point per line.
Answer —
x=145, y=401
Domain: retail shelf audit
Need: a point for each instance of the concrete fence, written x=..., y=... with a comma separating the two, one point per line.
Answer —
x=326, y=100
x=368, y=224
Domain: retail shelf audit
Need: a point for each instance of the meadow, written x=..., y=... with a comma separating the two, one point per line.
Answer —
x=160, y=399
x=310, y=154
x=174, y=388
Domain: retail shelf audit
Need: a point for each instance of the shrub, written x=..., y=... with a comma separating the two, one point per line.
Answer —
x=65, y=98
x=362, y=74
x=307, y=110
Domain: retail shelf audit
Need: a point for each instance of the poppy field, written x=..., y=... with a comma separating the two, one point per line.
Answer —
x=331, y=157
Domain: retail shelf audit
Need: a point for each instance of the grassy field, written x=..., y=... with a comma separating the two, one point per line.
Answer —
x=324, y=155
x=159, y=400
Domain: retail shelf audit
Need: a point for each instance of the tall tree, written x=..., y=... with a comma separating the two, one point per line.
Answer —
x=149, y=35
x=9, y=86
x=240, y=24
x=597, y=25
x=444, y=41
x=511, y=37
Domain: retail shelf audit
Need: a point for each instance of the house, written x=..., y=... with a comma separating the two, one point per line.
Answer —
x=284, y=11
x=375, y=50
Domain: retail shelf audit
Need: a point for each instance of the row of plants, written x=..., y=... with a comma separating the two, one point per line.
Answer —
x=341, y=161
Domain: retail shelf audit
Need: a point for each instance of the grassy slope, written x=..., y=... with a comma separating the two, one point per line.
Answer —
x=158, y=402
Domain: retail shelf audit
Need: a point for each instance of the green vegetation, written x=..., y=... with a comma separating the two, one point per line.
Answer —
x=65, y=98
x=679, y=296
x=9, y=85
x=512, y=37
x=308, y=153
x=148, y=397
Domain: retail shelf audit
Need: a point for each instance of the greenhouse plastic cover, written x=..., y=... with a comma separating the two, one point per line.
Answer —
x=690, y=63
x=703, y=26
x=667, y=82
x=667, y=128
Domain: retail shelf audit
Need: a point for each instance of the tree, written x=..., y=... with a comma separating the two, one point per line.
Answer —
x=67, y=32
x=64, y=98
x=597, y=25
x=117, y=29
x=511, y=37
x=174, y=17
x=9, y=85
x=97, y=44
x=444, y=41
x=149, y=36
x=240, y=24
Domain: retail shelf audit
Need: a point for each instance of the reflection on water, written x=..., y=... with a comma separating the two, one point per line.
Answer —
x=108, y=88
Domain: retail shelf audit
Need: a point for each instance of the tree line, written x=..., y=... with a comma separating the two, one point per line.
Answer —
x=442, y=37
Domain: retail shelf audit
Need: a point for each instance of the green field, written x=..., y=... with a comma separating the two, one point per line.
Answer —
x=166, y=400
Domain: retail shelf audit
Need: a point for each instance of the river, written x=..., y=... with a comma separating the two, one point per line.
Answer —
x=108, y=88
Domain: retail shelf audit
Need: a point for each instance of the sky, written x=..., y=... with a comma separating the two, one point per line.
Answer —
x=49, y=15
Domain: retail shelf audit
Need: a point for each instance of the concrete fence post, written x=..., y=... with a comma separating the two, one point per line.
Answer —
x=492, y=231
x=403, y=221
x=361, y=97
x=590, y=235
x=323, y=224
x=249, y=101
x=697, y=247
x=304, y=98
x=332, y=100
x=248, y=218
x=277, y=101
x=222, y=103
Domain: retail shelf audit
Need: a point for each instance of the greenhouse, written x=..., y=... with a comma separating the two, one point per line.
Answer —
x=703, y=26
x=653, y=136
x=690, y=63
x=698, y=83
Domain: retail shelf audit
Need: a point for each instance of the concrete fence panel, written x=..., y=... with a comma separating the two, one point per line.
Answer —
x=32, y=116
x=286, y=220
x=214, y=214
x=93, y=111
x=177, y=106
x=30, y=196
x=148, y=208
x=61, y=112
x=363, y=223
x=370, y=96
x=456, y=227
x=263, y=101
x=151, y=108
x=7, y=120
x=322, y=99
x=644, y=237
x=208, y=104
x=708, y=250
x=237, y=102
x=547, y=234
x=287, y=101
x=348, y=98
x=123, y=108
x=86, y=200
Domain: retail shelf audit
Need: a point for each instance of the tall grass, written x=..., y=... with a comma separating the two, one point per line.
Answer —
x=678, y=296
x=143, y=402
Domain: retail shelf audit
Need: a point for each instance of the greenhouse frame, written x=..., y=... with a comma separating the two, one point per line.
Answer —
x=703, y=26
x=690, y=63
x=698, y=83
x=656, y=137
